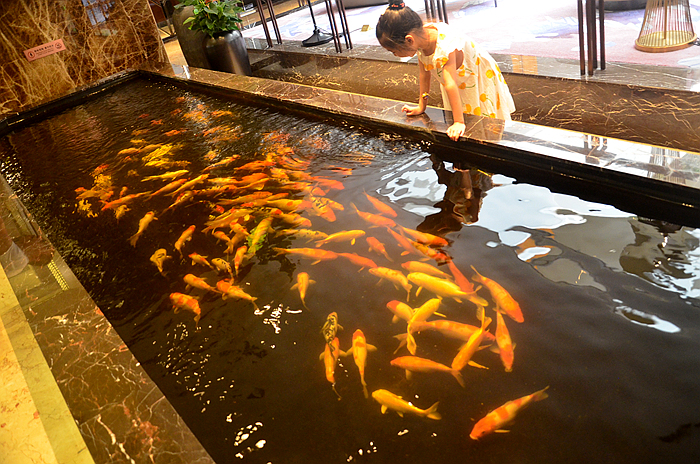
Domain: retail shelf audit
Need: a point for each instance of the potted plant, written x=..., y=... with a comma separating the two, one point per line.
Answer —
x=224, y=45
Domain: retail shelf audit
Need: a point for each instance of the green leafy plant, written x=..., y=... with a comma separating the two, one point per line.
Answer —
x=214, y=16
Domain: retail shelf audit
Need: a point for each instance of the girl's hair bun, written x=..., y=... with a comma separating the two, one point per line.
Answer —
x=396, y=5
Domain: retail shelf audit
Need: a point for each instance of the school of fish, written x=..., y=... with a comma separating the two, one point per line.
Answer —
x=251, y=201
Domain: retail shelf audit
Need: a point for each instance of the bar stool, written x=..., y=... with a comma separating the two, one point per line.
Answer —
x=667, y=26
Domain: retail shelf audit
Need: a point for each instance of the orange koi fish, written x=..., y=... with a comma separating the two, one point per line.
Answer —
x=425, y=268
x=465, y=353
x=425, y=238
x=121, y=211
x=389, y=400
x=310, y=253
x=286, y=204
x=380, y=206
x=199, y=259
x=322, y=209
x=185, y=237
x=175, y=132
x=293, y=219
x=167, y=175
x=221, y=164
x=416, y=364
x=168, y=187
x=431, y=253
x=452, y=329
x=343, y=236
x=238, y=258
x=193, y=281
x=221, y=236
x=401, y=311
x=330, y=355
x=182, y=301
x=503, y=415
x=378, y=247
x=159, y=257
x=123, y=200
x=403, y=242
x=395, y=277
x=359, y=351
x=229, y=290
x=501, y=296
x=303, y=282
x=143, y=223
x=128, y=151
x=358, y=260
x=460, y=280
x=505, y=344
x=190, y=184
x=375, y=219
x=182, y=198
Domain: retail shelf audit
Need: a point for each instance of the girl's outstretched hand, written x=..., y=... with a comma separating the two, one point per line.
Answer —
x=456, y=130
x=412, y=110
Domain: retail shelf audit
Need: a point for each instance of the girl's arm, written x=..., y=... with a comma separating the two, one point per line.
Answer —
x=424, y=85
x=450, y=75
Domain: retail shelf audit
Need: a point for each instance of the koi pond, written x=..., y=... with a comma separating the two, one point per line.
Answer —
x=263, y=267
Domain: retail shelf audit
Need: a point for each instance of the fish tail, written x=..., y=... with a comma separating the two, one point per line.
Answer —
x=540, y=395
x=133, y=239
x=336, y=392
x=458, y=375
x=364, y=390
x=411, y=344
x=431, y=412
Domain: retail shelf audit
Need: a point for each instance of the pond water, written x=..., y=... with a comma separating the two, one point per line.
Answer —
x=610, y=301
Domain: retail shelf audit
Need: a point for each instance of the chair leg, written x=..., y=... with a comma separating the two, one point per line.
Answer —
x=495, y=3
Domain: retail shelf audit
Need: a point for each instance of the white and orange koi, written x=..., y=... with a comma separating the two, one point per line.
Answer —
x=241, y=254
x=359, y=351
x=221, y=236
x=401, y=311
x=222, y=266
x=185, y=237
x=425, y=268
x=330, y=328
x=416, y=364
x=302, y=284
x=393, y=276
x=504, y=415
x=143, y=224
x=389, y=400
x=503, y=299
x=182, y=301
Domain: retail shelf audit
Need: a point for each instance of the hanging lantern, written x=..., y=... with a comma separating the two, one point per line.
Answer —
x=667, y=26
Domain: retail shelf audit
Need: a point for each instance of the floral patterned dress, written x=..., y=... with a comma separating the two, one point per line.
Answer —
x=482, y=88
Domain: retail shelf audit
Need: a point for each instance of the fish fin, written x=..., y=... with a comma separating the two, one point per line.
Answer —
x=395, y=319
x=431, y=412
x=409, y=375
x=439, y=314
x=411, y=344
x=371, y=347
x=480, y=312
x=340, y=327
x=364, y=390
x=384, y=409
x=458, y=300
x=501, y=431
x=316, y=262
x=401, y=345
x=540, y=395
x=320, y=357
x=224, y=296
x=458, y=375
x=347, y=353
x=473, y=364
x=399, y=413
x=294, y=286
x=404, y=253
x=352, y=242
x=311, y=281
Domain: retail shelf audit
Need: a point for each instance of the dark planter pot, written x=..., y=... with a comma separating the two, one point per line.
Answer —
x=227, y=52
x=191, y=42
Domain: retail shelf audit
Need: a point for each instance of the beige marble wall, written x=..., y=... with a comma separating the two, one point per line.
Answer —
x=101, y=37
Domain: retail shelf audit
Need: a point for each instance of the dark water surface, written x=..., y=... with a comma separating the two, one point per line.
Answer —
x=611, y=301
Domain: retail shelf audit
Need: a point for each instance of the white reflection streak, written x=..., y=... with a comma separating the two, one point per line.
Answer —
x=634, y=316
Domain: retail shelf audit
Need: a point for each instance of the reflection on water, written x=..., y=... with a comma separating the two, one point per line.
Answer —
x=574, y=267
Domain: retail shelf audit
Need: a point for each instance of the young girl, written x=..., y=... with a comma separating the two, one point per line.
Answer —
x=470, y=79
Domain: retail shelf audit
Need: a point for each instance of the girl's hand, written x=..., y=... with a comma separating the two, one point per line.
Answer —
x=412, y=110
x=456, y=130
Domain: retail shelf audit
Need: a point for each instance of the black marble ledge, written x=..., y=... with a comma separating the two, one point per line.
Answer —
x=122, y=415
x=670, y=177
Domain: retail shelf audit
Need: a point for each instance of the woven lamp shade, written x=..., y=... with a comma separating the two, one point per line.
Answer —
x=667, y=26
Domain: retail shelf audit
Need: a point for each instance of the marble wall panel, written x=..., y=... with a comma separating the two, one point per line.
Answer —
x=101, y=37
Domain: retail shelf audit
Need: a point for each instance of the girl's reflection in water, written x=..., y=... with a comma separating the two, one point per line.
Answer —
x=466, y=188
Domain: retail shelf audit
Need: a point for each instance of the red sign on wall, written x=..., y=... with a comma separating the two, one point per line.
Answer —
x=44, y=50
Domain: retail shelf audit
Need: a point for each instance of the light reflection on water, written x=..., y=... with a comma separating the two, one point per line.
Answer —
x=574, y=266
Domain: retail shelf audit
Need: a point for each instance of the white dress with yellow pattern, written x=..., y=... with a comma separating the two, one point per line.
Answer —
x=482, y=88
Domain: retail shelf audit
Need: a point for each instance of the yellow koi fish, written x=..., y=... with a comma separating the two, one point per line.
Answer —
x=185, y=237
x=159, y=257
x=229, y=290
x=193, y=281
x=425, y=268
x=503, y=415
x=380, y=206
x=303, y=282
x=401, y=311
x=182, y=301
x=343, y=236
x=420, y=314
x=425, y=238
x=378, y=247
x=505, y=344
x=330, y=355
x=143, y=223
x=389, y=400
x=199, y=259
x=465, y=353
x=393, y=276
x=310, y=253
x=167, y=175
x=416, y=364
x=438, y=286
